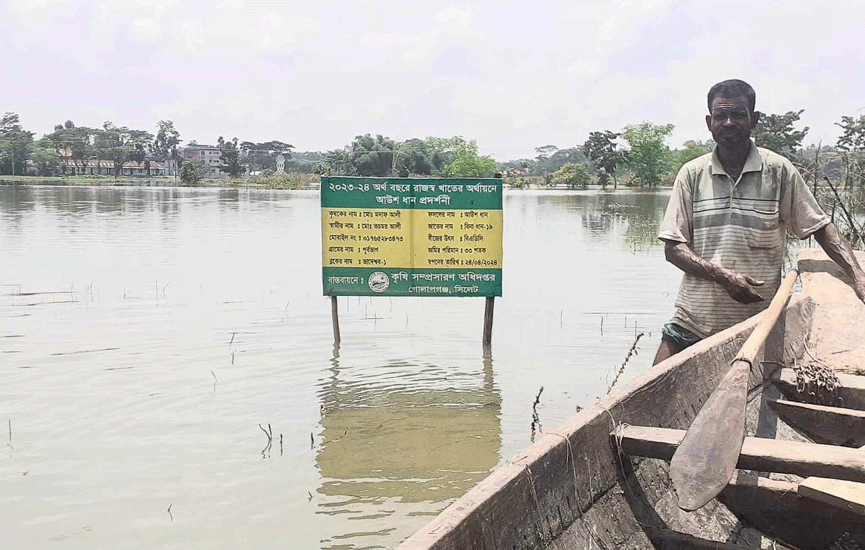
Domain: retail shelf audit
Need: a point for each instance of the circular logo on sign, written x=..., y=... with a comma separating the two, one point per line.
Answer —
x=378, y=282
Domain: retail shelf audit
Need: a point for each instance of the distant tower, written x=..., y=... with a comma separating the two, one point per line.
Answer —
x=280, y=164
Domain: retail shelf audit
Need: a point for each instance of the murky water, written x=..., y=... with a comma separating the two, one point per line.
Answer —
x=150, y=337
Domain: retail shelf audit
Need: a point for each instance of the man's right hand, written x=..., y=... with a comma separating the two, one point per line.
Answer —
x=737, y=285
x=740, y=287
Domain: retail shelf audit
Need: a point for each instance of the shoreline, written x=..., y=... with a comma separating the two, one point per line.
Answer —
x=107, y=181
x=292, y=182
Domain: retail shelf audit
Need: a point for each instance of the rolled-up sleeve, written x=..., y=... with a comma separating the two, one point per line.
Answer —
x=677, y=223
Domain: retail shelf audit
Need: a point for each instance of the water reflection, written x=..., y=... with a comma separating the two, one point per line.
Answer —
x=414, y=441
x=15, y=202
x=627, y=218
x=378, y=435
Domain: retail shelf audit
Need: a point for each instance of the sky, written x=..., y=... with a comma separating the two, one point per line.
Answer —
x=511, y=75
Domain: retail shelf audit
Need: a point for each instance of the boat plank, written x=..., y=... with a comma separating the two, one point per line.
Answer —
x=673, y=540
x=766, y=455
x=776, y=509
x=847, y=495
x=851, y=392
x=831, y=425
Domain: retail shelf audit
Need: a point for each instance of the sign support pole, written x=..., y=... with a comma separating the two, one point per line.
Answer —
x=334, y=312
x=488, y=320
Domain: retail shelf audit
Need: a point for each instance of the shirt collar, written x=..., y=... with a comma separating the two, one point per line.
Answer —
x=754, y=162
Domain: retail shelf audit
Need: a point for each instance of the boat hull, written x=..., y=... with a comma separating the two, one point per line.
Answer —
x=575, y=488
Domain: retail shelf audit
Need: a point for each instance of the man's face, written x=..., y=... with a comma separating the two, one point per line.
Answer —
x=731, y=121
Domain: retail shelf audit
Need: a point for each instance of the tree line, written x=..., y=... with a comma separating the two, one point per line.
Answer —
x=70, y=150
x=637, y=154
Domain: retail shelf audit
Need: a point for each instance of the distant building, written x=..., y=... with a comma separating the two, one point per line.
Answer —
x=96, y=167
x=208, y=154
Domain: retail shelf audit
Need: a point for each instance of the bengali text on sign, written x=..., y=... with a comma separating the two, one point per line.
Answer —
x=411, y=237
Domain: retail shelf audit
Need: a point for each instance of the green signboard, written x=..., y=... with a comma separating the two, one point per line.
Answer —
x=411, y=237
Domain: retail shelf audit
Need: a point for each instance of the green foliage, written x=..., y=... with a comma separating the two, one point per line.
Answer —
x=851, y=173
x=442, y=151
x=558, y=159
x=648, y=157
x=549, y=159
x=468, y=164
x=262, y=156
x=76, y=143
x=775, y=132
x=600, y=148
x=338, y=163
x=45, y=159
x=284, y=181
x=573, y=176
x=307, y=162
x=853, y=136
x=229, y=156
x=120, y=144
x=166, y=141
x=372, y=156
x=14, y=145
x=691, y=150
x=413, y=158
x=192, y=171
x=545, y=151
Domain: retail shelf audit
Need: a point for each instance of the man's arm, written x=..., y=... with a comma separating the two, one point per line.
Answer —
x=836, y=247
x=739, y=286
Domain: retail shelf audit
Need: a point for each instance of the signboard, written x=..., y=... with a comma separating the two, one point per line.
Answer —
x=411, y=237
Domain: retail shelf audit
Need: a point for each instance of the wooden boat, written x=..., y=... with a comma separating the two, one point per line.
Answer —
x=601, y=480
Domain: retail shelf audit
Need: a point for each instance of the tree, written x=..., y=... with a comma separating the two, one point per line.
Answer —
x=775, y=132
x=648, y=157
x=338, y=162
x=442, y=151
x=572, y=176
x=600, y=148
x=191, y=171
x=571, y=155
x=372, y=156
x=121, y=145
x=545, y=151
x=45, y=159
x=75, y=143
x=468, y=164
x=691, y=150
x=853, y=136
x=851, y=146
x=262, y=156
x=166, y=142
x=412, y=158
x=14, y=145
x=229, y=156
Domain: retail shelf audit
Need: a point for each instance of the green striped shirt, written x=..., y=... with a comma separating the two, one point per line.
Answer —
x=741, y=225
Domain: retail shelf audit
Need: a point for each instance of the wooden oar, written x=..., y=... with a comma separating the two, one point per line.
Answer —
x=704, y=462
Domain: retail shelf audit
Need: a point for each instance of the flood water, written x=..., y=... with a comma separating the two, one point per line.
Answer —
x=150, y=336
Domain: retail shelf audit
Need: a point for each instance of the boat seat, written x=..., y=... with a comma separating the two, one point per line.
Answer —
x=847, y=495
x=830, y=425
x=758, y=454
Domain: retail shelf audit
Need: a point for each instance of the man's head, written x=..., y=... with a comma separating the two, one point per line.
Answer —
x=731, y=113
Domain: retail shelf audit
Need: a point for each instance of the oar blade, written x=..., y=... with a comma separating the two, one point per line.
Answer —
x=705, y=460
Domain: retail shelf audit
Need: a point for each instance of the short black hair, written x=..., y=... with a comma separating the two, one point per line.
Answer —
x=733, y=88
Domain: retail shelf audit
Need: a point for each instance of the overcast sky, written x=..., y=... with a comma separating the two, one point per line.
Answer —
x=512, y=75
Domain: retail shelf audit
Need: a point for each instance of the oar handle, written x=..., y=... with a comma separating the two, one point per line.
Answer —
x=758, y=336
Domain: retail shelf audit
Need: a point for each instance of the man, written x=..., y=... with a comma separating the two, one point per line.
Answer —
x=726, y=225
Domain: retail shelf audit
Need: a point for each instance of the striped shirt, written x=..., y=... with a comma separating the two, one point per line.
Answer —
x=740, y=225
